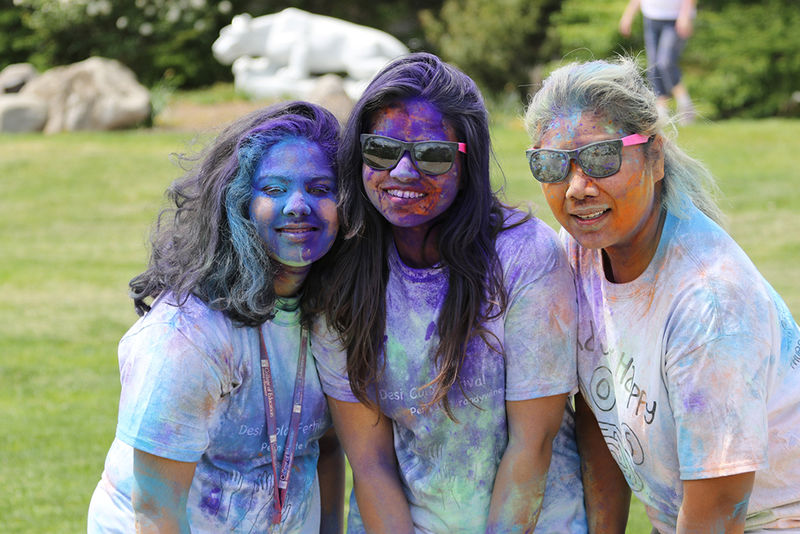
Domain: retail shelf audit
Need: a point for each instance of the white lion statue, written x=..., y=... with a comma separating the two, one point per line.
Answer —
x=277, y=54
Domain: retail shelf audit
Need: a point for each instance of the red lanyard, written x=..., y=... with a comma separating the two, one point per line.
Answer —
x=280, y=484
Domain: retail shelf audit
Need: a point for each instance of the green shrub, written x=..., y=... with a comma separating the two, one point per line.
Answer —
x=589, y=30
x=149, y=36
x=744, y=60
x=16, y=41
x=497, y=42
x=585, y=31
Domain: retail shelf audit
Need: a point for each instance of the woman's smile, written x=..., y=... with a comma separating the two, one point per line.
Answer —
x=587, y=217
x=403, y=194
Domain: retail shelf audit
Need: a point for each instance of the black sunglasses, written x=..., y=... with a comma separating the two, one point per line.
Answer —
x=598, y=160
x=431, y=157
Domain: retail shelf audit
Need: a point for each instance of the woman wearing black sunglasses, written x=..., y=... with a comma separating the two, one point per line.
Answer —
x=688, y=361
x=457, y=317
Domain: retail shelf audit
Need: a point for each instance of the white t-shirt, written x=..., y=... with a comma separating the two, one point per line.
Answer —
x=662, y=9
x=448, y=469
x=192, y=392
x=693, y=371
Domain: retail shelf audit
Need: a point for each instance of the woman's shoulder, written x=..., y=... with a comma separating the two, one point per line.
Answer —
x=528, y=245
x=525, y=234
x=188, y=317
x=704, y=251
x=703, y=267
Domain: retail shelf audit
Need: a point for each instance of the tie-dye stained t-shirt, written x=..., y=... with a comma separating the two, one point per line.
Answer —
x=448, y=469
x=192, y=392
x=693, y=371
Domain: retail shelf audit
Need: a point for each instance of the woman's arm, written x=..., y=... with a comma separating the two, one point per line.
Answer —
x=605, y=491
x=522, y=475
x=330, y=469
x=683, y=24
x=159, y=494
x=368, y=441
x=715, y=505
x=626, y=21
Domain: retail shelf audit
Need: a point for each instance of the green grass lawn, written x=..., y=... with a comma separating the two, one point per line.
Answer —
x=76, y=212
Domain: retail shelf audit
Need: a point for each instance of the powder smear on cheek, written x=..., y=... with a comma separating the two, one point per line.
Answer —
x=633, y=197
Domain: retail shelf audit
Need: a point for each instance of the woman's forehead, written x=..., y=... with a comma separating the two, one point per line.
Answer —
x=576, y=123
x=410, y=114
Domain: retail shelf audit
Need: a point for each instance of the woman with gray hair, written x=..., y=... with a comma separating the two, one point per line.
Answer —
x=688, y=361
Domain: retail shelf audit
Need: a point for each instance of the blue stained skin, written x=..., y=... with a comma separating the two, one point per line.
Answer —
x=738, y=514
x=741, y=507
x=294, y=202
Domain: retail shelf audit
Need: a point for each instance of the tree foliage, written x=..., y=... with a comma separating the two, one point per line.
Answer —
x=496, y=41
x=744, y=60
x=155, y=38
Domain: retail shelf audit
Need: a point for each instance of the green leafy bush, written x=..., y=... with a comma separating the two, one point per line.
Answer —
x=589, y=30
x=497, y=42
x=16, y=41
x=744, y=60
x=152, y=37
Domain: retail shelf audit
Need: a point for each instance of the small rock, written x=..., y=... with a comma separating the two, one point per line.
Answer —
x=15, y=76
x=20, y=113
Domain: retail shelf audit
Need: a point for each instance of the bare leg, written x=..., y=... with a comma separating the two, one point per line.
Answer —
x=662, y=105
x=685, y=108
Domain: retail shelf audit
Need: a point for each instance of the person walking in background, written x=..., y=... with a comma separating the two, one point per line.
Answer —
x=688, y=360
x=222, y=418
x=667, y=24
x=457, y=316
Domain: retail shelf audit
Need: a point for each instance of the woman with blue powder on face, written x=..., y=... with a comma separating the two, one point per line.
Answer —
x=220, y=396
x=457, y=314
x=688, y=361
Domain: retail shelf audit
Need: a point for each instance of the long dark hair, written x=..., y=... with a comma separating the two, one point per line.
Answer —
x=203, y=243
x=355, y=302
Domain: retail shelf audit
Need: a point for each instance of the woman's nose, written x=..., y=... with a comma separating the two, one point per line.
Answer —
x=405, y=170
x=296, y=205
x=579, y=185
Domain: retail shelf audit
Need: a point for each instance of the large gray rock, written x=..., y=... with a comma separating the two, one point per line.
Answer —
x=94, y=94
x=16, y=75
x=20, y=113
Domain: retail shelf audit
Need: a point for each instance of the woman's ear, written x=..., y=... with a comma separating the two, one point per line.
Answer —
x=655, y=158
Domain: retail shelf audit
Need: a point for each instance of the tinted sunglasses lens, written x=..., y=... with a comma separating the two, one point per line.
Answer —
x=381, y=153
x=602, y=159
x=434, y=158
x=548, y=166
